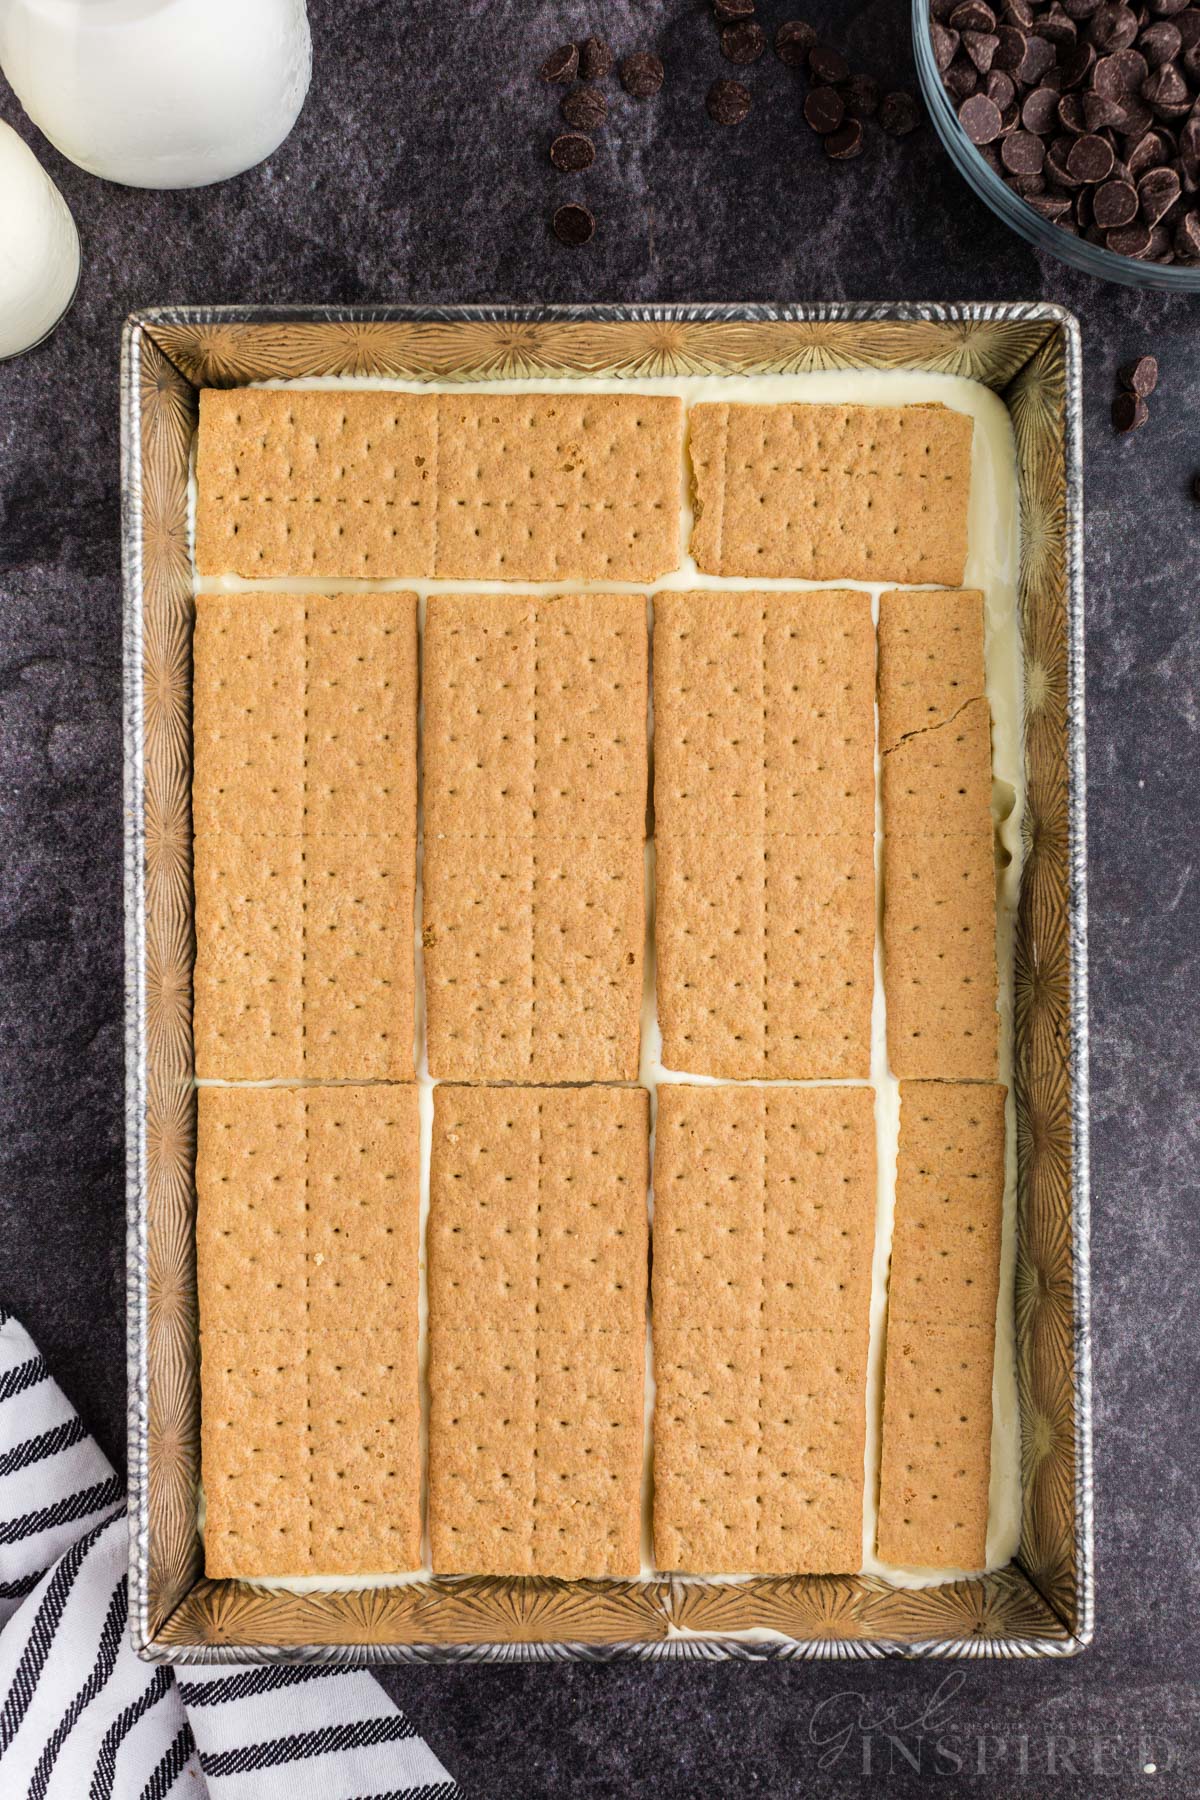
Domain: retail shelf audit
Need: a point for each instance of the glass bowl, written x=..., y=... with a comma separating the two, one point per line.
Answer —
x=1093, y=259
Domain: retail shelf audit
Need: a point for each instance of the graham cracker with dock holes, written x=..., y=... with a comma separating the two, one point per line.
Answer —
x=307, y=1247
x=535, y=817
x=764, y=797
x=458, y=486
x=945, y=1274
x=304, y=803
x=939, y=899
x=764, y=1230
x=831, y=493
x=537, y=1246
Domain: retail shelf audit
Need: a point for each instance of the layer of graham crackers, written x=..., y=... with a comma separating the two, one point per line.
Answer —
x=535, y=771
x=764, y=1230
x=304, y=809
x=830, y=493
x=939, y=911
x=764, y=801
x=457, y=486
x=537, y=1247
x=937, y=1407
x=307, y=1249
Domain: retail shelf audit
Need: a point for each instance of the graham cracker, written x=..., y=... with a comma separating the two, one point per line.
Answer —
x=537, y=1246
x=307, y=1241
x=764, y=1230
x=931, y=658
x=462, y=487
x=940, y=780
x=827, y=493
x=304, y=811
x=535, y=809
x=764, y=794
x=942, y=1292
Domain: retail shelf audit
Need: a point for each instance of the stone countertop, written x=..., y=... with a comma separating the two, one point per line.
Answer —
x=418, y=172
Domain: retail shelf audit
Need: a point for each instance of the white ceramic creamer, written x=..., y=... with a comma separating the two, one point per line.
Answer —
x=39, y=248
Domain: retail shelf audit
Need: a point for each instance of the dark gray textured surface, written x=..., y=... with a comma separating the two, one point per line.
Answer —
x=418, y=172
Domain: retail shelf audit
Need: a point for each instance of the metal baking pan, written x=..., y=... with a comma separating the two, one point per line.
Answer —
x=1042, y=1604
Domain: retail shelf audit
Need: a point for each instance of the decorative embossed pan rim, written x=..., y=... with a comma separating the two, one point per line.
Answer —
x=1040, y=1606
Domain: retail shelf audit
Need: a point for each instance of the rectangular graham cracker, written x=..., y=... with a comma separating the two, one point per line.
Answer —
x=537, y=1245
x=764, y=797
x=828, y=493
x=458, y=486
x=942, y=1291
x=535, y=769
x=764, y=1231
x=939, y=900
x=304, y=800
x=307, y=1243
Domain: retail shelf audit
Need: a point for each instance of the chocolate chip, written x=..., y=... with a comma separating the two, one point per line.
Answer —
x=1037, y=58
x=899, y=113
x=1058, y=27
x=1022, y=153
x=1130, y=240
x=1020, y=13
x=961, y=79
x=1187, y=237
x=1112, y=26
x=973, y=15
x=1115, y=203
x=743, y=43
x=1072, y=113
x=1189, y=27
x=846, y=143
x=1100, y=113
x=1010, y=49
x=828, y=65
x=1189, y=152
x=1080, y=9
x=585, y=108
x=728, y=12
x=572, y=152
x=595, y=59
x=1091, y=159
x=1157, y=193
x=642, y=74
x=981, y=47
x=980, y=119
x=1054, y=207
x=1120, y=74
x=1000, y=88
x=1147, y=153
x=793, y=41
x=573, y=224
x=1129, y=412
x=1160, y=43
x=1140, y=376
x=823, y=109
x=561, y=64
x=1166, y=90
x=1040, y=111
x=860, y=96
x=727, y=102
x=1079, y=65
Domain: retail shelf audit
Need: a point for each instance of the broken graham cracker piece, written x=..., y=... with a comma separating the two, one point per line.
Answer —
x=827, y=493
x=764, y=1230
x=942, y=1292
x=940, y=780
x=307, y=1242
x=931, y=658
x=456, y=486
x=537, y=1293
x=764, y=824
x=304, y=808
x=535, y=809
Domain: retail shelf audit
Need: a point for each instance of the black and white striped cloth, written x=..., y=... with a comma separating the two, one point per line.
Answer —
x=82, y=1718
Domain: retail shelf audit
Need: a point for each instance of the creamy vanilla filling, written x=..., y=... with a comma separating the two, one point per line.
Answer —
x=992, y=566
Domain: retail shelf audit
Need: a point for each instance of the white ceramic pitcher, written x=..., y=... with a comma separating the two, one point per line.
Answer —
x=39, y=248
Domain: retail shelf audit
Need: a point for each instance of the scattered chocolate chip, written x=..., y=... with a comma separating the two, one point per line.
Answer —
x=980, y=119
x=945, y=45
x=642, y=74
x=1112, y=26
x=1040, y=111
x=861, y=97
x=1166, y=91
x=1079, y=65
x=1020, y=13
x=572, y=151
x=961, y=79
x=595, y=59
x=1058, y=27
x=727, y=12
x=973, y=15
x=1100, y=113
x=1130, y=240
x=1091, y=158
x=1158, y=190
x=1072, y=113
x=823, y=109
x=1139, y=376
x=1129, y=412
x=793, y=41
x=828, y=65
x=846, y=143
x=585, y=108
x=573, y=224
x=1010, y=49
x=1055, y=207
x=1187, y=238
x=1160, y=43
x=1114, y=203
x=899, y=113
x=561, y=64
x=1037, y=58
x=743, y=43
x=1001, y=88
x=1022, y=153
x=727, y=102
x=1149, y=151
x=981, y=47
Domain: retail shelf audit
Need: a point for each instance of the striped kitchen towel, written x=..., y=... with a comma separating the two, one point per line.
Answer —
x=82, y=1718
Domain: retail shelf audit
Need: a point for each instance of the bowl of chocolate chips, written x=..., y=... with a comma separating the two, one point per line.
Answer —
x=1078, y=121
